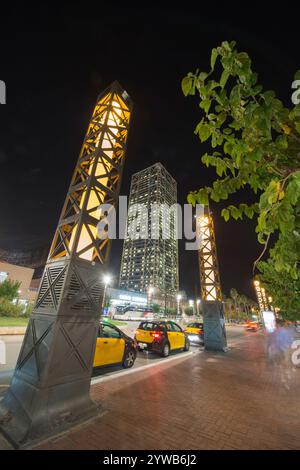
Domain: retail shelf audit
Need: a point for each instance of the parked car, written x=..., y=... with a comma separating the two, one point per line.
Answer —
x=113, y=347
x=161, y=337
x=195, y=332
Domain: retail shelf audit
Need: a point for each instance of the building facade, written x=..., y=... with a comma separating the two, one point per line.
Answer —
x=21, y=274
x=150, y=250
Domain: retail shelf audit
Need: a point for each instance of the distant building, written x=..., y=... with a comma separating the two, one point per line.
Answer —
x=148, y=262
x=21, y=274
x=122, y=298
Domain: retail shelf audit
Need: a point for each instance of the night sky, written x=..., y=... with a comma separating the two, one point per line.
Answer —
x=56, y=60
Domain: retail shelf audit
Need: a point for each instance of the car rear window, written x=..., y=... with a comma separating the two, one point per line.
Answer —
x=149, y=326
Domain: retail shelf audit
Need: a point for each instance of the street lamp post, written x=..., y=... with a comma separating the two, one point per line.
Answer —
x=107, y=281
x=179, y=297
x=259, y=296
x=149, y=296
x=270, y=299
x=191, y=305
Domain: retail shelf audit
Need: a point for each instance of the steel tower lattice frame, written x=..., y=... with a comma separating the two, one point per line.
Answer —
x=207, y=258
x=49, y=391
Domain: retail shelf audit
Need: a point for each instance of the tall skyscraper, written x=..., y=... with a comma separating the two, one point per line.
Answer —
x=150, y=250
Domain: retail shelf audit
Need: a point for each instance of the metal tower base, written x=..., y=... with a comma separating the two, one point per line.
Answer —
x=214, y=326
x=48, y=418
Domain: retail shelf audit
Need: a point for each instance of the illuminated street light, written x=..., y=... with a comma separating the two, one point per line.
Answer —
x=149, y=296
x=259, y=296
x=179, y=297
x=270, y=299
x=264, y=297
x=198, y=306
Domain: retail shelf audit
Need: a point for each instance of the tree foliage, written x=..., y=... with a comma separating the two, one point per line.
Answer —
x=256, y=143
x=285, y=292
x=155, y=308
x=9, y=289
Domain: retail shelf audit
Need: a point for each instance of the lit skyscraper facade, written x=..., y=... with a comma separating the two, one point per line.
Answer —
x=150, y=251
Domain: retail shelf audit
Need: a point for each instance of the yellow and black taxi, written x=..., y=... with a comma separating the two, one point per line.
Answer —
x=114, y=347
x=161, y=337
x=195, y=332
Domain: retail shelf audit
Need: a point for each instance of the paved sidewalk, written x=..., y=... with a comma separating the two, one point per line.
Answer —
x=236, y=400
x=12, y=330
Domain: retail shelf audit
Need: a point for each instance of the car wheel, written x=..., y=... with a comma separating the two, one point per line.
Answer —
x=187, y=345
x=129, y=359
x=166, y=350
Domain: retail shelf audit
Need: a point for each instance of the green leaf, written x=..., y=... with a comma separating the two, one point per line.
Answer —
x=202, y=76
x=204, y=132
x=205, y=159
x=224, y=78
x=261, y=221
x=202, y=197
x=221, y=167
x=293, y=273
x=249, y=212
x=191, y=199
x=293, y=190
x=225, y=214
x=213, y=58
x=205, y=104
x=235, y=212
x=282, y=141
x=187, y=85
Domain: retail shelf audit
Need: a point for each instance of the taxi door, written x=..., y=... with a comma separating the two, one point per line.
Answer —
x=178, y=336
x=110, y=346
x=172, y=336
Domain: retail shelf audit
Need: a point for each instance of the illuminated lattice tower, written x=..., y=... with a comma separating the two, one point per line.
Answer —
x=50, y=387
x=212, y=306
x=207, y=258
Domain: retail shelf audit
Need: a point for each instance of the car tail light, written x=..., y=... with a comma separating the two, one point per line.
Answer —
x=155, y=334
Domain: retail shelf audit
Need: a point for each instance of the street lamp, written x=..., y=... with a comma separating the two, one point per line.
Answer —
x=179, y=297
x=198, y=306
x=107, y=280
x=150, y=293
x=270, y=299
x=264, y=296
x=259, y=295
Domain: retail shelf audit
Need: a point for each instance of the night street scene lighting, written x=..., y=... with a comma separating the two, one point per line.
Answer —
x=149, y=234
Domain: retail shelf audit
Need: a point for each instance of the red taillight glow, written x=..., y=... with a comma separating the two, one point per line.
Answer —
x=155, y=334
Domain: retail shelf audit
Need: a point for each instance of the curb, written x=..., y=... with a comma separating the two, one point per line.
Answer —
x=12, y=330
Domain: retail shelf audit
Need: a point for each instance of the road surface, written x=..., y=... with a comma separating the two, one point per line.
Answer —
x=13, y=345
